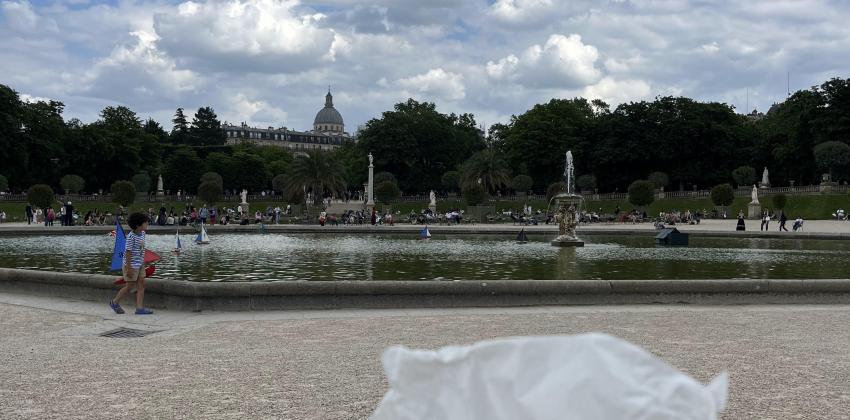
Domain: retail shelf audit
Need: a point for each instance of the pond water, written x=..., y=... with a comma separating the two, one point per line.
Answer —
x=273, y=257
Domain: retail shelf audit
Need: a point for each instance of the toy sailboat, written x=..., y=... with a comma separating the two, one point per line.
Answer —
x=202, y=238
x=177, y=246
x=425, y=233
x=521, y=238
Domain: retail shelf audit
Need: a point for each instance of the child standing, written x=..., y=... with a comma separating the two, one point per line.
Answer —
x=133, y=269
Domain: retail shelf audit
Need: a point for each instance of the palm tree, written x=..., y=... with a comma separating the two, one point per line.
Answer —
x=315, y=171
x=487, y=166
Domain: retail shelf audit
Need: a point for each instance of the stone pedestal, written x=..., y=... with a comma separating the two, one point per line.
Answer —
x=754, y=211
x=567, y=242
x=433, y=208
x=370, y=197
x=246, y=209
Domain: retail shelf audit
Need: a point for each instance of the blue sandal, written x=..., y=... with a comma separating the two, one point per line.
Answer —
x=143, y=311
x=116, y=307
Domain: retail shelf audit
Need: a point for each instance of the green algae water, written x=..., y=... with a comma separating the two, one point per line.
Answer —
x=304, y=257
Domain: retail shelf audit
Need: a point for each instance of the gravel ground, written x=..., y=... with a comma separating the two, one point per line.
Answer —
x=785, y=362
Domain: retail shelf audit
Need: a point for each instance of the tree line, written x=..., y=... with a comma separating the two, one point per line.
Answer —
x=674, y=142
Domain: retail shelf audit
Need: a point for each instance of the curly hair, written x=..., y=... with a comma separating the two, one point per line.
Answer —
x=137, y=219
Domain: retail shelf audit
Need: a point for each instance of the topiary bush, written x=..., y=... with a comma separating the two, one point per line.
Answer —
x=384, y=177
x=474, y=194
x=212, y=177
x=4, y=183
x=279, y=183
x=522, y=183
x=72, y=183
x=210, y=191
x=641, y=193
x=40, y=195
x=722, y=195
x=123, y=193
x=659, y=179
x=451, y=181
x=744, y=175
x=142, y=181
x=386, y=192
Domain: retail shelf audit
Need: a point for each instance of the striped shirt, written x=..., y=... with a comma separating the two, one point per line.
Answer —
x=136, y=247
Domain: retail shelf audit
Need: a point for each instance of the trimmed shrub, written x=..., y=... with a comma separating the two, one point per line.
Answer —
x=722, y=195
x=555, y=188
x=474, y=194
x=4, y=183
x=210, y=191
x=381, y=177
x=522, y=183
x=212, y=177
x=387, y=191
x=72, y=183
x=142, y=181
x=451, y=181
x=279, y=183
x=40, y=195
x=641, y=193
x=744, y=175
x=123, y=193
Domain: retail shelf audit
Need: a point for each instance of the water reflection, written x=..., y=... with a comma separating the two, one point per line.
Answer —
x=271, y=257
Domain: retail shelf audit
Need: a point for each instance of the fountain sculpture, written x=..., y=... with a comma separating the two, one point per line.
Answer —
x=568, y=204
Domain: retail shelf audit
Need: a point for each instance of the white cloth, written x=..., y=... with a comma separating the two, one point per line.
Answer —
x=588, y=376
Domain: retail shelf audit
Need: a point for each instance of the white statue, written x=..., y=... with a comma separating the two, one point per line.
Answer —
x=370, y=159
x=433, y=199
x=754, y=195
x=159, y=183
x=765, y=182
x=244, y=195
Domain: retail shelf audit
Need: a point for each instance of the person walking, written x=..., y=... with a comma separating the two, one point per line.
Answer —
x=765, y=221
x=51, y=215
x=29, y=213
x=133, y=268
x=782, y=220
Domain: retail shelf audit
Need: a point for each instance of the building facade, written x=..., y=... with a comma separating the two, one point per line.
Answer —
x=328, y=132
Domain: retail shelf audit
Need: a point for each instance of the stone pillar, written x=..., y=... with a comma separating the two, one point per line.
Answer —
x=370, y=201
x=754, y=211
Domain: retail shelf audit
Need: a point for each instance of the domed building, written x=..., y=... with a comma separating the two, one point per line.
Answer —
x=328, y=132
x=328, y=119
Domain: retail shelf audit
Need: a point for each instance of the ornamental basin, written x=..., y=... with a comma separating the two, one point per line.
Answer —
x=239, y=257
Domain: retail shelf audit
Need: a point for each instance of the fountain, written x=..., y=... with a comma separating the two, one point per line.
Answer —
x=568, y=204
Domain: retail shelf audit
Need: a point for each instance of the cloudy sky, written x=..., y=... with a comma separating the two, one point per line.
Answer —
x=269, y=62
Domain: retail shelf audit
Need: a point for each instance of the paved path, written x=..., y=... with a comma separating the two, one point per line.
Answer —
x=785, y=362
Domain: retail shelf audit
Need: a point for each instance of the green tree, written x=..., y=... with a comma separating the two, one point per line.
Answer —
x=522, y=183
x=318, y=172
x=142, y=182
x=180, y=128
x=744, y=175
x=474, y=194
x=418, y=144
x=72, y=183
x=722, y=195
x=779, y=201
x=40, y=195
x=832, y=156
x=4, y=183
x=539, y=138
x=182, y=170
x=210, y=191
x=450, y=181
x=641, y=193
x=154, y=129
x=206, y=128
x=586, y=182
x=123, y=193
x=222, y=164
x=212, y=177
x=488, y=168
x=659, y=179
x=386, y=191
x=250, y=171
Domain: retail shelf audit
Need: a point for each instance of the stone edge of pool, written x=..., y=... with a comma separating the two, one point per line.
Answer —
x=413, y=230
x=233, y=296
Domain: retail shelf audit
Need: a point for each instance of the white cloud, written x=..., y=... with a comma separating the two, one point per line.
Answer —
x=519, y=11
x=614, y=91
x=563, y=62
x=436, y=83
x=239, y=108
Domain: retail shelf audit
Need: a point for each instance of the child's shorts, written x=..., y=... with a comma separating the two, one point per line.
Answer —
x=133, y=274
